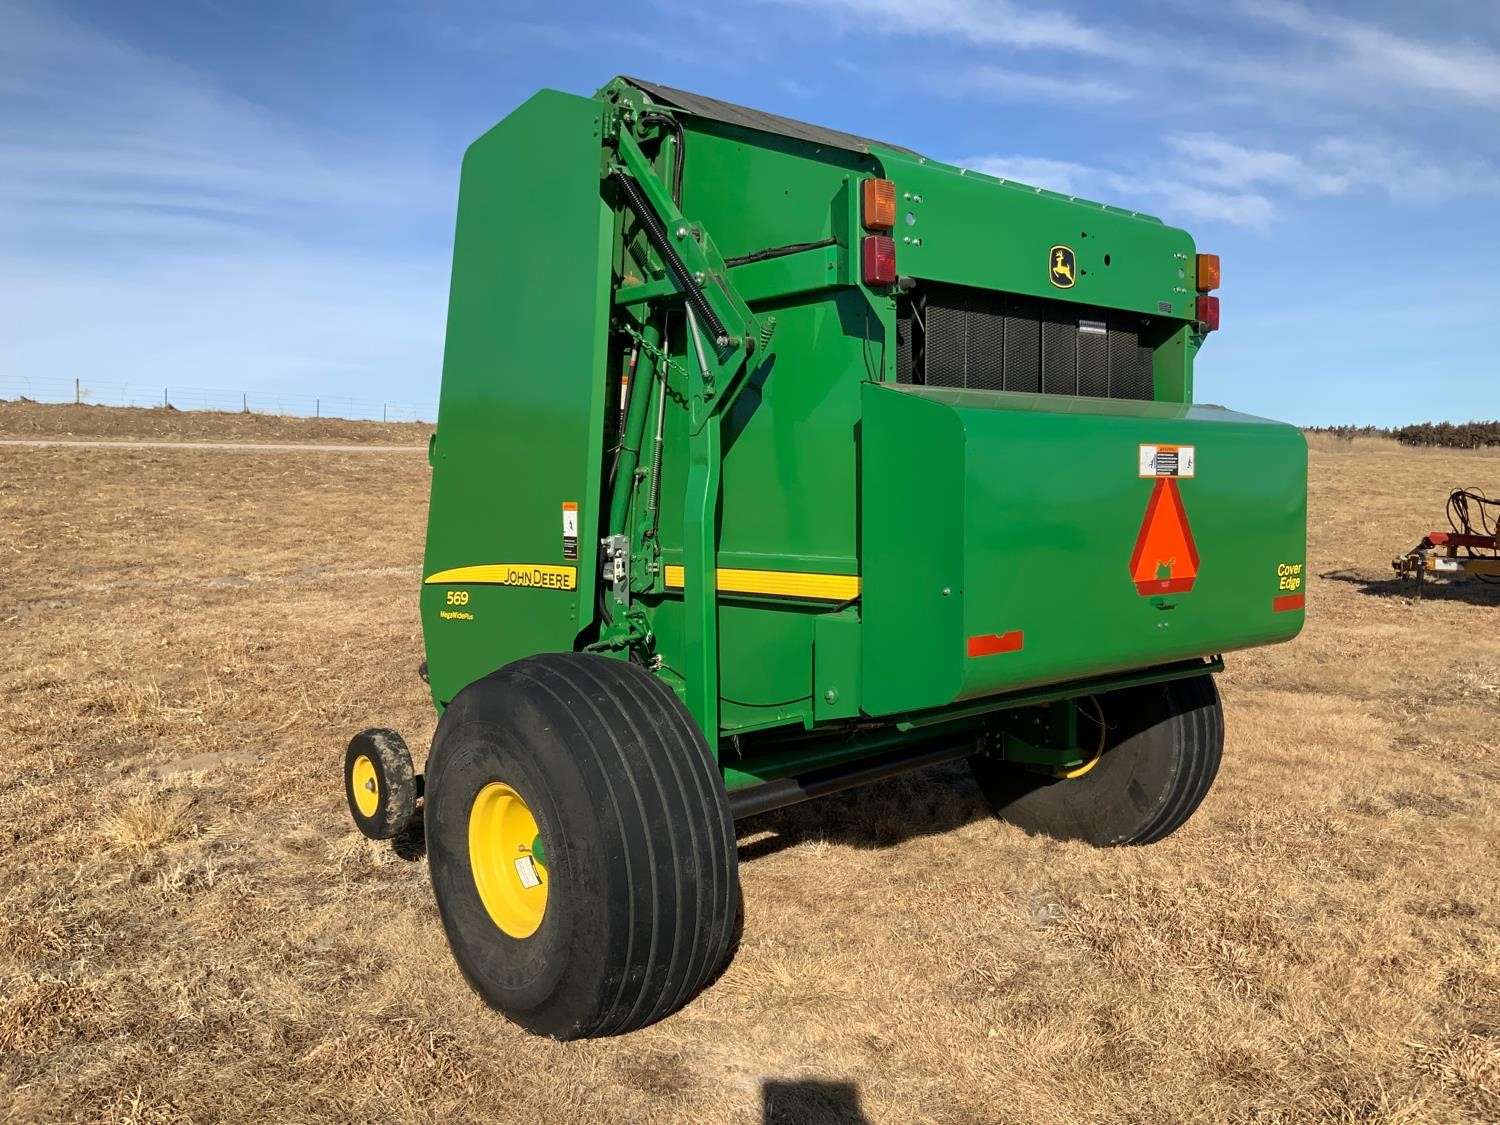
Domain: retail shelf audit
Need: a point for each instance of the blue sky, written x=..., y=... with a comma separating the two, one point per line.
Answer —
x=260, y=195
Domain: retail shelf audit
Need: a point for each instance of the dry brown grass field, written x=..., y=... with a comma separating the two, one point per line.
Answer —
x=191, y=928
x=29, y=420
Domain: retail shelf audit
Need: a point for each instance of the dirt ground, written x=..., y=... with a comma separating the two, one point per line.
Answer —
x=191, y=929
x=24, y=419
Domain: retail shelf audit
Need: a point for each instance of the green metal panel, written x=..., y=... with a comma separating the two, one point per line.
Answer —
x=836, y=665
x=972, y=229
x=912, y=470
x=993, y=515
x=523, y=395
x=788, y=492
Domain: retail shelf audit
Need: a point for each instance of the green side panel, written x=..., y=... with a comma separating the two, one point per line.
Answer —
x=972, y=229
x=789, y=470
x=1027, y=510
x=912, y=469
x=836, y=660
x=523, y=395
x=753, y=190
x=788, y=494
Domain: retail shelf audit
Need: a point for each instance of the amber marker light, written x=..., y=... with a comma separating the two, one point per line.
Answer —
x=878, y=204
x=1208, y=272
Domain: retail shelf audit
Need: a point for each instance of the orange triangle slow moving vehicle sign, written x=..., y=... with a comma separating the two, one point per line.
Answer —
x=1165, y=559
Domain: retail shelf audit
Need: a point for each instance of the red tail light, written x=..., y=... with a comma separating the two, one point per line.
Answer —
x=1208, y=313
x=879, y=254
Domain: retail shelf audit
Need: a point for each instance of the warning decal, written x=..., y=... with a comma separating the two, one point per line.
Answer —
x=1165, y=560
x=570, y=530
x=1166, y=461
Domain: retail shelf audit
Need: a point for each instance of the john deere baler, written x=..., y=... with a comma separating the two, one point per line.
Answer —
x=773, y=460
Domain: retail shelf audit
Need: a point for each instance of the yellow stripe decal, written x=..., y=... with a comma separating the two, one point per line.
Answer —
x=778, y=583
x=508, y=574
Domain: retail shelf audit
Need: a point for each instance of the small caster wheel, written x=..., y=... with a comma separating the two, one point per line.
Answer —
x=379, y=784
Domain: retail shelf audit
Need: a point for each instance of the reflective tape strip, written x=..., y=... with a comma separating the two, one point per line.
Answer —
x=989, y=644
x=777, y=583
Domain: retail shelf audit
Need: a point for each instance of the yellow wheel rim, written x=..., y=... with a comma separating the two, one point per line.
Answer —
x=507, y=860
x=366, y=786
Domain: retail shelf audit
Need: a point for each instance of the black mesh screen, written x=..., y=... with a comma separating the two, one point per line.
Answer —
x=1059, y=357
x=952, y=336
x=1023, y=354
x=946, y=353
x=903, y=342
x=985, y=354
x=1093, y=358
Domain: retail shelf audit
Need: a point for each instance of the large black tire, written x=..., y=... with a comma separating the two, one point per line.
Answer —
x=1162, y=745
x=637, y=856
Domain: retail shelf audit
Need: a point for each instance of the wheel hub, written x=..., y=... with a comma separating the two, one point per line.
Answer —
x=366, y=787
x=508, y=861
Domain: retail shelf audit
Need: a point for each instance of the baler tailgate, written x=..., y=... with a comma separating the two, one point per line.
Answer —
x=1014, y=540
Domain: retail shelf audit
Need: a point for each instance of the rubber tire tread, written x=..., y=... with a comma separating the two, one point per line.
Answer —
x=1199, y=737
x=396, y=803
x=1176, y=730
x=626, y=762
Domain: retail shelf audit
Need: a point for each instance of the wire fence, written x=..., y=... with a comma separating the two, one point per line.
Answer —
x=104, y=393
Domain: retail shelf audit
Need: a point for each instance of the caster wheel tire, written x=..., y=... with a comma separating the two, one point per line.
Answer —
x=580, y=845
x=1155, y=762
x=379, y=784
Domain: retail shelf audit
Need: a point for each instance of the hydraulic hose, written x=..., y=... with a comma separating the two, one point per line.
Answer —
x=654, y=503
x=635, y=426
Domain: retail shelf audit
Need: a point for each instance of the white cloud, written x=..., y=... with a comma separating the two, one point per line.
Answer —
x=153, y=223
x=1405, y=173
x=1223, y=163
x=1206, y=176
x=96, y=136
x=1465, y=71
x=1180, y=199
x=1177, y=196
x=983, y=23
x=1332, y=166
x=1036, y=171
x=1004, y=84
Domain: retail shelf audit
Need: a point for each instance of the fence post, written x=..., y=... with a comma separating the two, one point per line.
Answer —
x=317, y=408
x=77, y=393
x=244, y=403
x=382, y=412
x=164, y=401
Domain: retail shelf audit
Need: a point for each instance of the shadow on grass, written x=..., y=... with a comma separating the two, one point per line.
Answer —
x=411, y=843
x=882, y=815
x=805, y=1101
x=1473, y=590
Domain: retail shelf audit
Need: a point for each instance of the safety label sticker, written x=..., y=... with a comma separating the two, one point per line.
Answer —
x=526, y=869
x=1166, y=461
x=570, y=529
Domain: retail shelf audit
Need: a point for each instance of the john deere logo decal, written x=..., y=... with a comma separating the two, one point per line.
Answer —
x=1062, y=267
